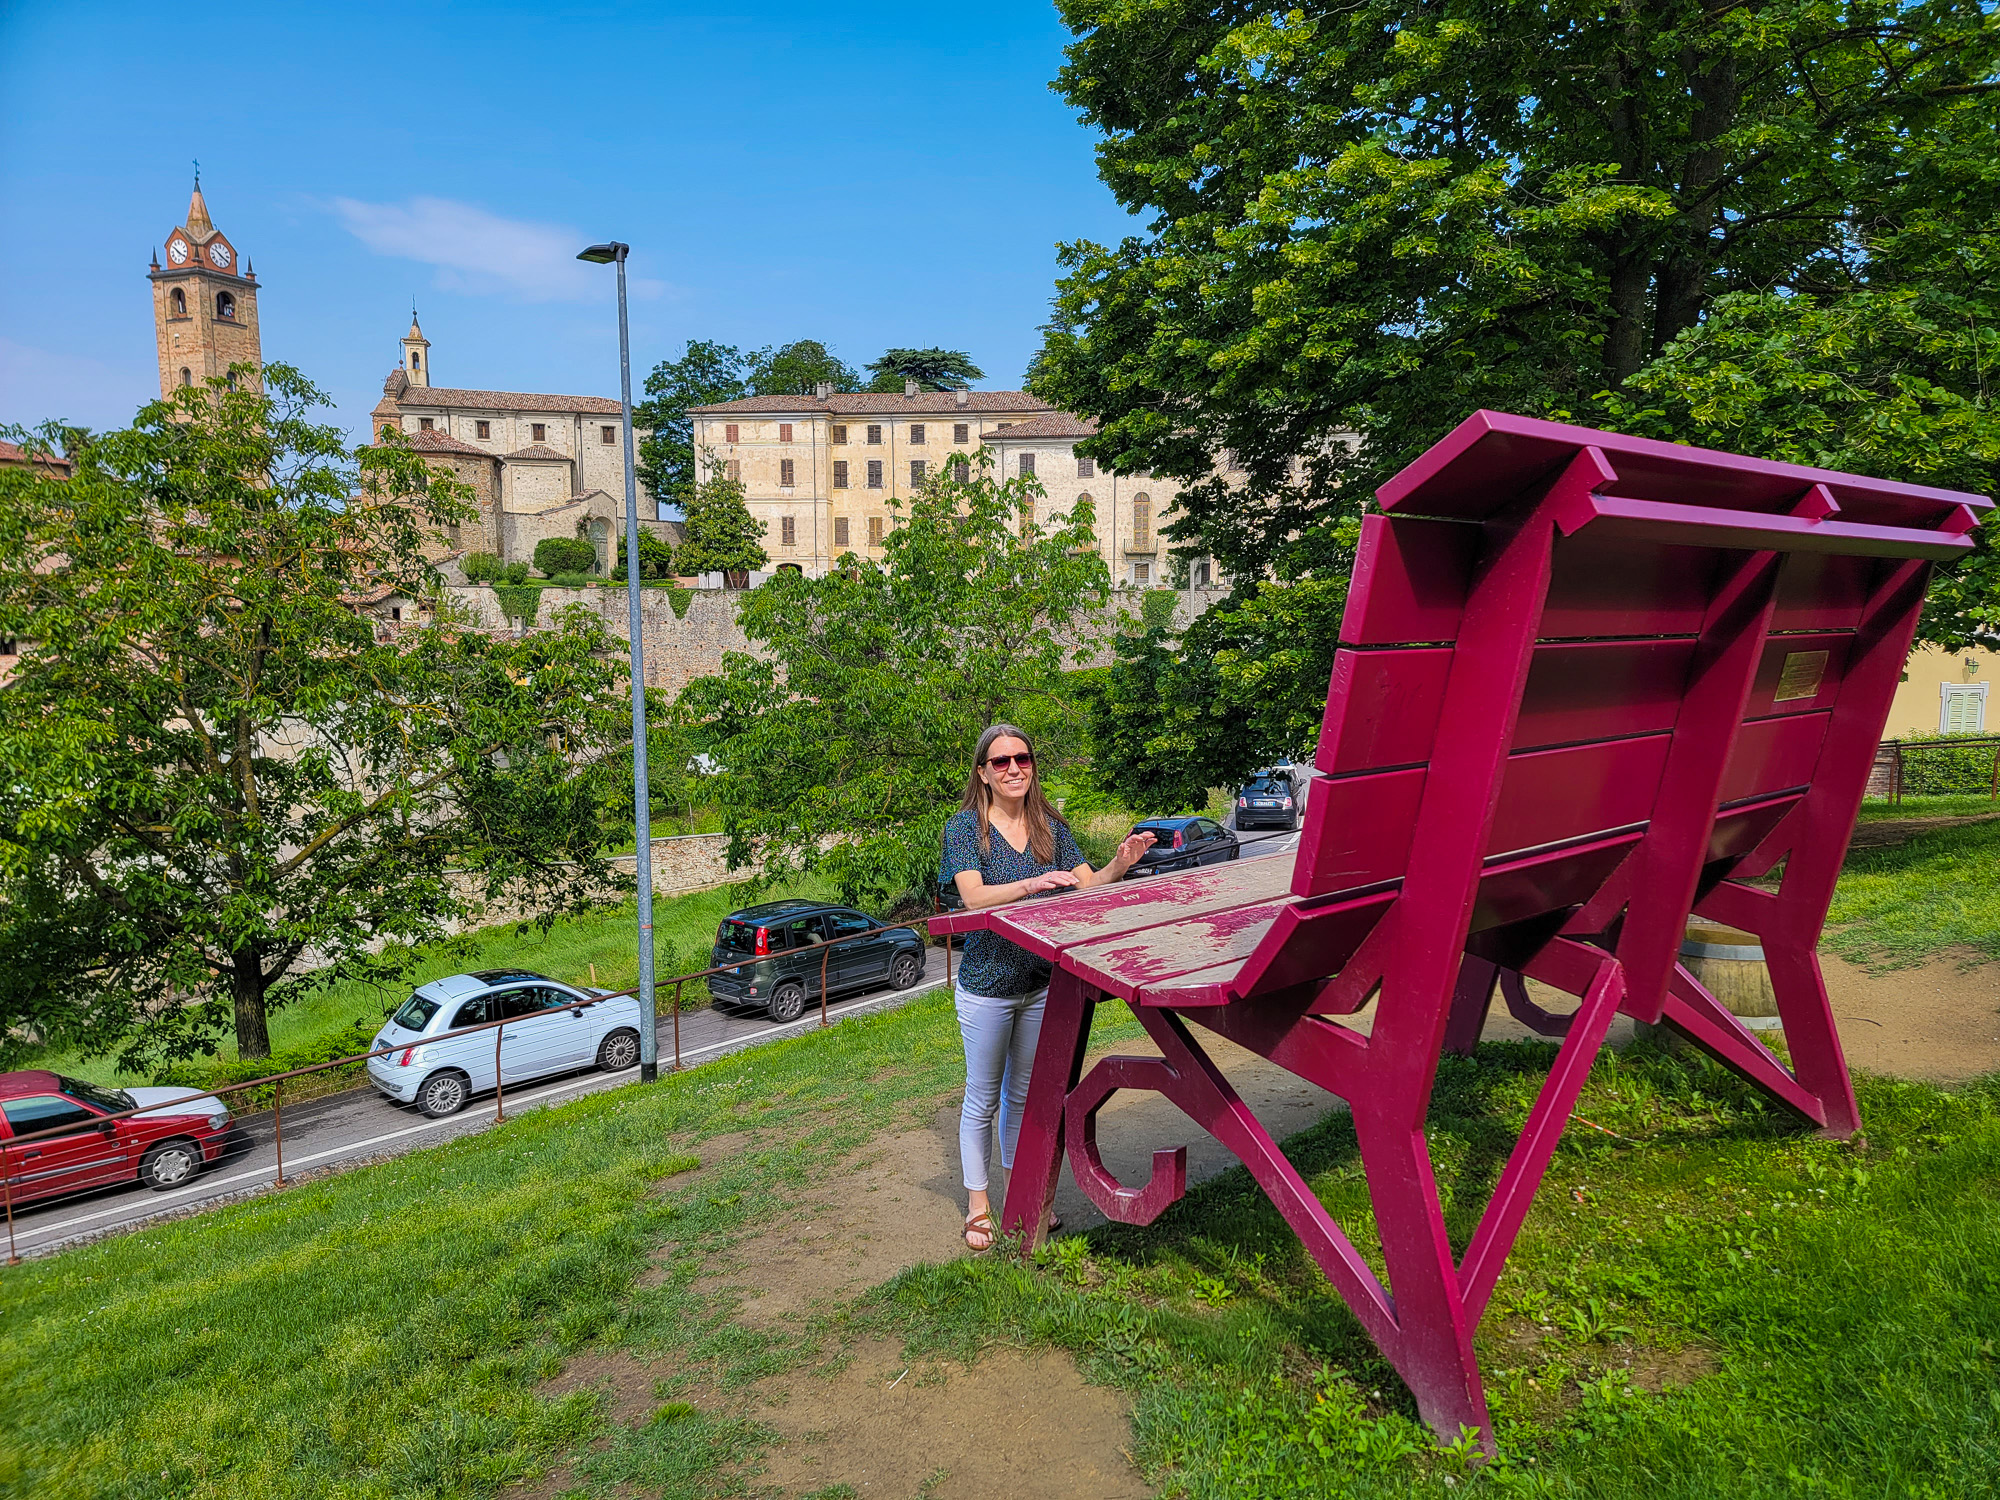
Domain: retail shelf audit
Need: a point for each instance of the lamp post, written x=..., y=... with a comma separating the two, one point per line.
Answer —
x=642, y=812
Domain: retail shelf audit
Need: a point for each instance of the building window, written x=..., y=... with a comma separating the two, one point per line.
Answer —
x=539, y=429
x=396, y=613
x=840, y=531
x=874, y=531
x=1142, y=524
x=962, y=472
x=607, y=434
x=916, y=434
x=788, y=531
x=916, y=472
x=840, y=432
x=423, y=424
x=785, y=471
x=9, y=646
x=484, y=429
x=784, y=432
x=186, y=377
x=1028, y=465
x=1202, y=574
x=225, y=306
x=416, y=360
x=874, y=473
x=729, y=432
x=840, y=476
x=1086, y=468
x=229, y=380
x=1963, y=710
x=736, y=470
x=961, y=432
x=874, y=433
x=178, y=301
x=1142, y=572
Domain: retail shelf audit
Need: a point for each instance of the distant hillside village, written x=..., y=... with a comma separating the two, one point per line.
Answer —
x=822, y=472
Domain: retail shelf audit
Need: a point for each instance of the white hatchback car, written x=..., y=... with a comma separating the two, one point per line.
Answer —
x=560, y=1030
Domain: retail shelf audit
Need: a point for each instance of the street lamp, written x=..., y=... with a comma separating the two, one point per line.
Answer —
x=642, y=812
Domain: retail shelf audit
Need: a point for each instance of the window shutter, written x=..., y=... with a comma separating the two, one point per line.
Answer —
x=729, y=431
x=874, y=433
x=961, y=432
x=874, y=531
x=1086, y=469
x=916, y=471
x=1027, y=463
x=785, y=471
x=962, y=471
x=840, y=531
x=840, y=432
x=788, y=530
x=874, y=473
x=916, y=433
x=840, y=476
x=736, y=469
x=784, y=432
x=610, y=435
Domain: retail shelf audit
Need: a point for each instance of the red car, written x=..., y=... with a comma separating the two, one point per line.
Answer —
x=163, y=1148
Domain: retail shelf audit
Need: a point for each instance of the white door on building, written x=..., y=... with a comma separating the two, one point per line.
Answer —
x=1964, y=708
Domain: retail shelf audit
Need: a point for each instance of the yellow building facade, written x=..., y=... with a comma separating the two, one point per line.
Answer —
x=1945, y=692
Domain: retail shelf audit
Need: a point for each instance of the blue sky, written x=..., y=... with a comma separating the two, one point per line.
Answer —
x=869, y=174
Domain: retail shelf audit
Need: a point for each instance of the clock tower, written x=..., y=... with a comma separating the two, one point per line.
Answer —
x=204, y=303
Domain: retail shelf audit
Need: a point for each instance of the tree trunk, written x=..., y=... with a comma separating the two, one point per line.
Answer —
x=246, y=983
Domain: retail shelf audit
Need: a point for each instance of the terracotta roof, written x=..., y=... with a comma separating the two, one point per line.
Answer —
x=1058, y=424
x=539, y=450
x=443, y=442
x=884, y=404
x=428, y=395
x=12, y=454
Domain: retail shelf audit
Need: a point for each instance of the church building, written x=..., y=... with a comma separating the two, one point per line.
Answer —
x=539, y=466
x=204, y=304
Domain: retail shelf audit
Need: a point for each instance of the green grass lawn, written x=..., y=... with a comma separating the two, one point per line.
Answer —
x=1938, y=894
x=1706, y=1301
x=1967, y=805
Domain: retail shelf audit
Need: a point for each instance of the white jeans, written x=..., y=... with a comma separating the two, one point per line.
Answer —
x=1000, y=1035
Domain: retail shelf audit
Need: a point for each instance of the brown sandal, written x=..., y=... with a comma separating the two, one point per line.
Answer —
x=980, y=1224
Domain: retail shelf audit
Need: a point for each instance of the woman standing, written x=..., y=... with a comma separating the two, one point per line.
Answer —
x=1006, y=842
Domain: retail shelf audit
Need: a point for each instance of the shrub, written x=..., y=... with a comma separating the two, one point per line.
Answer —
x=565, y=554
x=656, y=556
x=480, y=567
x=519, y=601
x=1156, y=608
x=570, y=580
x=1934, y=767
x=515, y=573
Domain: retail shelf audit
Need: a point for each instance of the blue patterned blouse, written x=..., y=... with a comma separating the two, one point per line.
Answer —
x=993, y=966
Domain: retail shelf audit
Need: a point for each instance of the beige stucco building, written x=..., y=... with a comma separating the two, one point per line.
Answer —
x=1945, y=692
x=539, y=466
x=823, y=472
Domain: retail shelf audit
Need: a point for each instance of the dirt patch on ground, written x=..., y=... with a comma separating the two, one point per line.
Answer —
x=1887, y=831
x=1939, y=1022
x=1015, y=1423
x=1657, y=1370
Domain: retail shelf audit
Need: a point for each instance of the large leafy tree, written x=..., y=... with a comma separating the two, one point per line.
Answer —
x=843, y=742
x=798, y=369
x=1365, y=221
x=719, y=534
x=932, y=369
x=222, y=781
x=706, y=373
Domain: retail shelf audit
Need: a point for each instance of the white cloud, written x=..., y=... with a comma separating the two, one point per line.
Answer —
x=479, y=252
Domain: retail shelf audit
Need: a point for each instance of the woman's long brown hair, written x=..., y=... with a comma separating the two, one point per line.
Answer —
x=1041, y=817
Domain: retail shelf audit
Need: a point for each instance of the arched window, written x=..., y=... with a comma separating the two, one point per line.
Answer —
x=416, y=360
x=230, y=380
x=1142, y=523
x=187, y=376
x=177, y=301
x=225, y=305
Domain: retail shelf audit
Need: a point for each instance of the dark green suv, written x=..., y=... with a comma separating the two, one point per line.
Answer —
x=784, y=947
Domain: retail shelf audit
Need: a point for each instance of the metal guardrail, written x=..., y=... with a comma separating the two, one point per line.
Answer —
x=1897, y=749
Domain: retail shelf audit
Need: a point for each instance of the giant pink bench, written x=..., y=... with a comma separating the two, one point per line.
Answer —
x=1586, y=686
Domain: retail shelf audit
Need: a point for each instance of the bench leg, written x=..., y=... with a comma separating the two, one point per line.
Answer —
x=1470, y=1002
x=1817, y=1060
x=1031, y=1184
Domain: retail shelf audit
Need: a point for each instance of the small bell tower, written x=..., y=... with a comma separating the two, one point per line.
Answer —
x=416, y=353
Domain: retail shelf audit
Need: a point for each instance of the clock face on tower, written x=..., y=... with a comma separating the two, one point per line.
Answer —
x=218, y=254
x=177, y=251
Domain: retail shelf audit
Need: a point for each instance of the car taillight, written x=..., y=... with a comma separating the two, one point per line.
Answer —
x=763, y=941
x=1177, y=838
x=404, y=1060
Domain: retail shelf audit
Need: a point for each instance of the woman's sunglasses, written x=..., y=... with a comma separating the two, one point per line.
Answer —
x=1025, y=760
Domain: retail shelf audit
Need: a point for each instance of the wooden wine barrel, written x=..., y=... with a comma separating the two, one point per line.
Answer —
x=1730, y=966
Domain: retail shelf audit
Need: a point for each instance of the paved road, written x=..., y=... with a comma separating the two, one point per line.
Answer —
x=361, y=1125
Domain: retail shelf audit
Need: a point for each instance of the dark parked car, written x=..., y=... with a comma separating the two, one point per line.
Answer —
x=1267, y=801
x=164, y=1149
x=1181, y=844
x=784, y=948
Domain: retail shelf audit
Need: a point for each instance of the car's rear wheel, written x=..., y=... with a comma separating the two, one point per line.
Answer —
x=905, y=971
x=170, y=1164
x=618, y=1051
x=444, y=1094
x=788, y=1002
